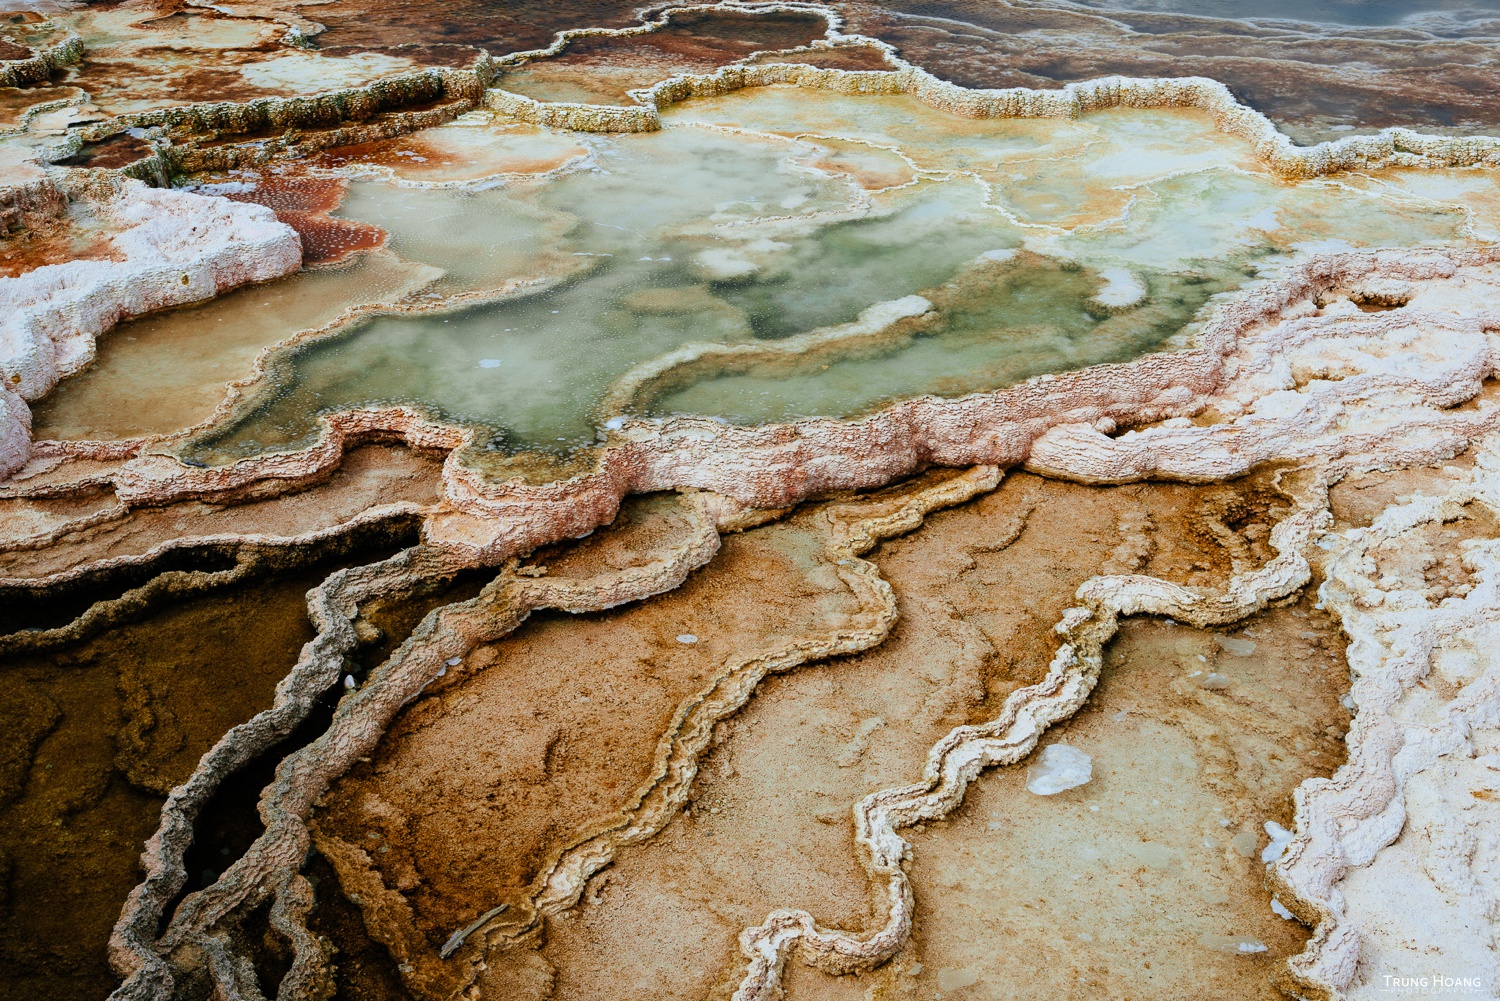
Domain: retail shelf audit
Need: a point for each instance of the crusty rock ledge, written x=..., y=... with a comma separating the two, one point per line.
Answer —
x=222, y=135
x=177, y=247
x=1044, y=421
x=270, y=869
x=1390, y=148
x=1400, y=637
x=63, y=48
x=1277, y=378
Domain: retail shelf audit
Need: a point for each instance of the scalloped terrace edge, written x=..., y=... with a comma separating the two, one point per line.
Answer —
x=808, y=457
x=1391, y=147
x=1000, y=429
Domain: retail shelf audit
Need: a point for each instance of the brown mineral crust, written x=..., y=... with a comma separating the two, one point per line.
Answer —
x=449, y=631
x=37, y=250
x=48, y=537
x=978, y=588
x=1163, y=844
x=107, y=566
x=699, y=41
x=497, y=28
x=956, y=761
x=593, y=696
x=304, y=203
x=823, y=620
x=16, y=102
x=693, y=42
x=1304, y=79
x=94, y=735
x=516, y=28
x=110, y=154
x=38, y=224
x=105, y=78
x=838, y=57
x=444, y=54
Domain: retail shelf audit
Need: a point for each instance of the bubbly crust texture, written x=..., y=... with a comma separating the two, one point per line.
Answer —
x=176, y=247
x=15, y=431
x=1414, y=807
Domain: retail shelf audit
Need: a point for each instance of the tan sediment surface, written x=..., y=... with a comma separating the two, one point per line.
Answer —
x=768, y=821
x=1158, y=882
x=1340, y=363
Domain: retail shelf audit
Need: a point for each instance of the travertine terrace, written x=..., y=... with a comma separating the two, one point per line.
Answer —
x=749, y=500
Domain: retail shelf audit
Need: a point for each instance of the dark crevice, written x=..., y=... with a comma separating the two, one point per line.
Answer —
x=49, y=617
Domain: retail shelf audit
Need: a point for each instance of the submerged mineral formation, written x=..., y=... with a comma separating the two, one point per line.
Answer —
x=748, y=500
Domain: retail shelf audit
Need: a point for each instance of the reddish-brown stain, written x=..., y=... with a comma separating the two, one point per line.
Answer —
x=304, y=203
x=116, y=151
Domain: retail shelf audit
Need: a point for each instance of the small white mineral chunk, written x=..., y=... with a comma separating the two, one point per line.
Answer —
x=1280, y=838
x=687, y=638
x=1057, y=769
x=1244, y=842
x=1279, y=909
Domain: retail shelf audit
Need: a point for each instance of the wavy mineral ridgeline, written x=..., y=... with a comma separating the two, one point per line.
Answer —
x=1334, y=426
x=1291, y=370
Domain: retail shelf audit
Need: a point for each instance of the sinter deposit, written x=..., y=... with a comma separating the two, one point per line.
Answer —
x=748, y=500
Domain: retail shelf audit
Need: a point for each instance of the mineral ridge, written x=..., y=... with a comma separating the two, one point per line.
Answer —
x=748, y=500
